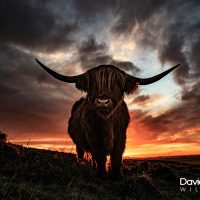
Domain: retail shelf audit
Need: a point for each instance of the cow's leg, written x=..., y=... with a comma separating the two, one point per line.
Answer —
x=80, y=152
x=116, y=160
x=101, y=168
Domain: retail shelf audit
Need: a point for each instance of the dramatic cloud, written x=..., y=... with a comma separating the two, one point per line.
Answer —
x=132, y=13
x=36, y=25
x=33, y=103
x=92, y=54
x=90, y=11
x=179, y=124
x=171, y=27
x=141, y=99
x=28, y=105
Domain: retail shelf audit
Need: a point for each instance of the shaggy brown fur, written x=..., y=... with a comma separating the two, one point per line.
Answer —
x=106, y=78
x=92, y=133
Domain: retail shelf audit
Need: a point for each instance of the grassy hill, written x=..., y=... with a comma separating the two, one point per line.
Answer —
x=27, y=173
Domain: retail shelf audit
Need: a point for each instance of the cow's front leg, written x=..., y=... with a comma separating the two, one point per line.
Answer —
x=116, y=160
x=101, y=168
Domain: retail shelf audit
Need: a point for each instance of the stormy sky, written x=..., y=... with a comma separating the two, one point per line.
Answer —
x=143, y=38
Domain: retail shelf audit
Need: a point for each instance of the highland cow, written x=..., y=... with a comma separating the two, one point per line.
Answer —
x=99, y=121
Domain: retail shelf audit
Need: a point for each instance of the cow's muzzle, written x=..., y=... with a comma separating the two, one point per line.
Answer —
x=103, y=102
x=105, y=107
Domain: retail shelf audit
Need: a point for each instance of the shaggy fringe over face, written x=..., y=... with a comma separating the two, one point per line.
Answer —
x=107, y=77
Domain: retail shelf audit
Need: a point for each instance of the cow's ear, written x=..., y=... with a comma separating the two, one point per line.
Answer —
x=82, y=84
x=130, y=86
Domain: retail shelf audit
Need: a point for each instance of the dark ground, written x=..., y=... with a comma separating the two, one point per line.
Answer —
x=27, y=173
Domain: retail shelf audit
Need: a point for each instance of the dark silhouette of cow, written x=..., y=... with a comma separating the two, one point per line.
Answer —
x=99, y=121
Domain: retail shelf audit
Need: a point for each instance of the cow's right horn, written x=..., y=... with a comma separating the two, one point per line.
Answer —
x=146, y=81
x=68, y=79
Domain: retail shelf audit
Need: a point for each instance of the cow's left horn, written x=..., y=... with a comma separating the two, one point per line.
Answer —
x=68, y=79
x=146, y=81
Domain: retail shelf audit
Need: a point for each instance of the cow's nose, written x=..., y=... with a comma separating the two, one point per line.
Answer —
x=102, y=101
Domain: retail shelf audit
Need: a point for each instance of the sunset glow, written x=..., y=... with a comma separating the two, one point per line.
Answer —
x=71, y=39
x=132, y=149
x=138, y=145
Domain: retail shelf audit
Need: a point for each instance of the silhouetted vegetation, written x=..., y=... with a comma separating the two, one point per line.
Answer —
x=27, y=173
x=3, y=137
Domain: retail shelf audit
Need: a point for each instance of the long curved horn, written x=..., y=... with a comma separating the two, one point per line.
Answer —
x=146, y=81
x=68, y=79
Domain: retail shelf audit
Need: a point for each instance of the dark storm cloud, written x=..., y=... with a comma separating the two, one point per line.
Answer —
x=195, y=58
x=91, y=54
x=27, y=105
x=36, y=25
x=89, y=11
x=131, y=13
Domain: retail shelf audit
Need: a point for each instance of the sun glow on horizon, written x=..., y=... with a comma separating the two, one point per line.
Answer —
x=132, y=150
